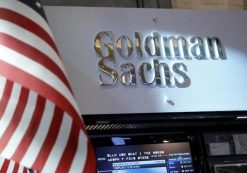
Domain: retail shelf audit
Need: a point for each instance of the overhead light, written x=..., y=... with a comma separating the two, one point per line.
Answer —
x=119, y=140
x=242, y=117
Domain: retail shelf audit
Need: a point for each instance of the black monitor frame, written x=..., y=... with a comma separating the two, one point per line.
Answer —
x=167, y=117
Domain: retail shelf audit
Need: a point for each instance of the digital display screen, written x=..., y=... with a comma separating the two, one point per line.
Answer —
x=149, y=158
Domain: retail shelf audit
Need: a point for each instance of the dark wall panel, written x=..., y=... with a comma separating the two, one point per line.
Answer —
x=92, y=3
x=151, y=4
x=165, y=4
x=111, y=3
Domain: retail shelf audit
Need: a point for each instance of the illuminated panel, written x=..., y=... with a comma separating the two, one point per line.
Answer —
x=151, y=158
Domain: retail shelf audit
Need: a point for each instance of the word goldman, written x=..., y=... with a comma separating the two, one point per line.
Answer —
x=165, y=55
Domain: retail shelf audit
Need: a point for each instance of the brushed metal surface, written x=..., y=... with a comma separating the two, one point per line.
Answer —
x=216, y=85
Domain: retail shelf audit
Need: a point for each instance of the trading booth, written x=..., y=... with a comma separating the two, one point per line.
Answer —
x=160, y=91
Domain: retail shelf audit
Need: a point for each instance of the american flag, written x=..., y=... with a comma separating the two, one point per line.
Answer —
x=40, y=123
x=8, y=166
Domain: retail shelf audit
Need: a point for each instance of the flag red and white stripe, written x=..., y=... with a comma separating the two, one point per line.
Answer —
x=7, y=166
x=40, y=123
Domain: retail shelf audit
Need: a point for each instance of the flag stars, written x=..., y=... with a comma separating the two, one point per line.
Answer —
x=38, y=4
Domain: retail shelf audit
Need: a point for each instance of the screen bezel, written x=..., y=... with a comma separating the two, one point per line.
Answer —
x=167, y=117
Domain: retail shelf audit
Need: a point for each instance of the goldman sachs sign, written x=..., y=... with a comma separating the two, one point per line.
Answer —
x=162, y=51
x=121, y=61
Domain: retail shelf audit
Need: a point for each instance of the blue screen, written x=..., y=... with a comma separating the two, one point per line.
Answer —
x=150, y=158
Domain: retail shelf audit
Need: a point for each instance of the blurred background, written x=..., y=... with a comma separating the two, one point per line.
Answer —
x=183, y=4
